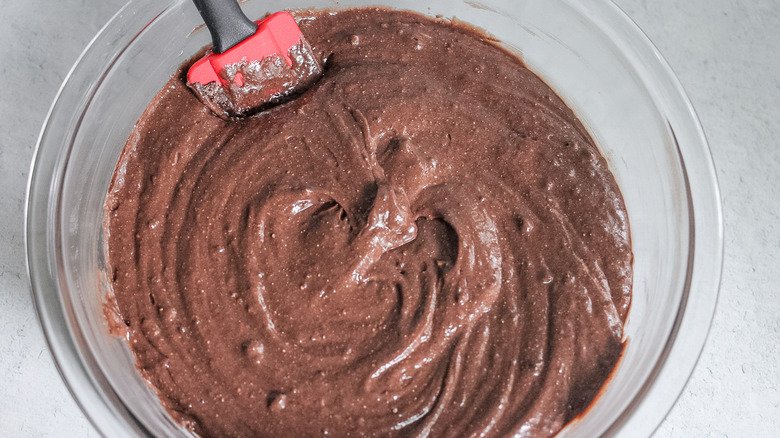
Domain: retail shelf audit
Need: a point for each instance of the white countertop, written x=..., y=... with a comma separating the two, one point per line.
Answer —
x=727, y=55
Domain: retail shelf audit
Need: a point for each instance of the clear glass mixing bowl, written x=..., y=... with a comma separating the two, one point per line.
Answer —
x=587, y=50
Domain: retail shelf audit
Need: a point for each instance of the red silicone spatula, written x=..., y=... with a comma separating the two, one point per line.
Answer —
x=252, y=64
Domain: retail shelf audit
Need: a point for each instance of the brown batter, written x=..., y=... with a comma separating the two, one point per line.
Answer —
x=425, y=243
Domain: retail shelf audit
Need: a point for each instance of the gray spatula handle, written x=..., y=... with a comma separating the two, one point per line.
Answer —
x=226, y=22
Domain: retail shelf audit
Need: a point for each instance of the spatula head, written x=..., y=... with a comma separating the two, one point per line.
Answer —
x=267, y=67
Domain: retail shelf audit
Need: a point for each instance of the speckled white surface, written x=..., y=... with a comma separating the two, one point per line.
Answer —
x=727, y=55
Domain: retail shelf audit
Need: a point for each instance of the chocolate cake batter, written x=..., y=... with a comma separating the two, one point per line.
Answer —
x=425, y=243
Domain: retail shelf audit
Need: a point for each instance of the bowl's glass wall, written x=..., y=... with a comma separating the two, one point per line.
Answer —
x=565, y=42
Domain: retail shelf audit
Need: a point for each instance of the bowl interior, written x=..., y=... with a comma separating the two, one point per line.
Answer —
x=577, y=47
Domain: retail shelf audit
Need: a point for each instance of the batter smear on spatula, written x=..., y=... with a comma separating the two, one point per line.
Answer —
x=242, y=75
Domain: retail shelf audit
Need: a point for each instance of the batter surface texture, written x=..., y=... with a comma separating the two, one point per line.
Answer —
x=425, y=243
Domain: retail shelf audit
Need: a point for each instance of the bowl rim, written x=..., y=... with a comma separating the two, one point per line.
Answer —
x=674, y=367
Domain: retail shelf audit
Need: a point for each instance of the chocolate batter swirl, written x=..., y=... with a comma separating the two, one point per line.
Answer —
x=426, y=243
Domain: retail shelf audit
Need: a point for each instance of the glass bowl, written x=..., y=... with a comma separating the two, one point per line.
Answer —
x=588, y=51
